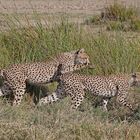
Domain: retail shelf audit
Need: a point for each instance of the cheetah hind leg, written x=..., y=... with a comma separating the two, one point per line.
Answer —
x=5, y=89
x=55, y=96
x=6, y=92
x=102, y=102
x=36, y=92
x=49, y=99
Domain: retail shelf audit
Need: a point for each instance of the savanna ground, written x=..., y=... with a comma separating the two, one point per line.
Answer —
x=37, y=30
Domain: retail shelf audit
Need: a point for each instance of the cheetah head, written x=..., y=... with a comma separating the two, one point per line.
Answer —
x=81, y=57
x=135, y=79
x=73, y=60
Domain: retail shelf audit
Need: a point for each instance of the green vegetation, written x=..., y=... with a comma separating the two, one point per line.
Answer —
x=109, y=54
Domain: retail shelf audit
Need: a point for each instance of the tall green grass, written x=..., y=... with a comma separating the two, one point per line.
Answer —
x=109, y=54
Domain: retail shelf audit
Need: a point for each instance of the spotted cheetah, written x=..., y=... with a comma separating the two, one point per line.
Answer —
x=16, y=76
x=75, y=85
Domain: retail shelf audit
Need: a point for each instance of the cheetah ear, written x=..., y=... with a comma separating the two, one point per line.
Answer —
x=82, y=50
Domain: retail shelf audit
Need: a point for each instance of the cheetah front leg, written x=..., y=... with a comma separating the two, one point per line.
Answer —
x=77, y=97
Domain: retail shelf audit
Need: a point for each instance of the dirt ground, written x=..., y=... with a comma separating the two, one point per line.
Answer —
x=60, y=6
x=53, y=10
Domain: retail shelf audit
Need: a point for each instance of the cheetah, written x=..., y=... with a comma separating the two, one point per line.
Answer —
x=75, y=85
x=16, y=76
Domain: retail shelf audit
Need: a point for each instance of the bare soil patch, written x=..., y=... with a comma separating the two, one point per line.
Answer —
x=76, y=10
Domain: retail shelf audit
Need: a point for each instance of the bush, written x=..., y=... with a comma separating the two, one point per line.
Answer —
x=117, y=17
x=119, y=13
